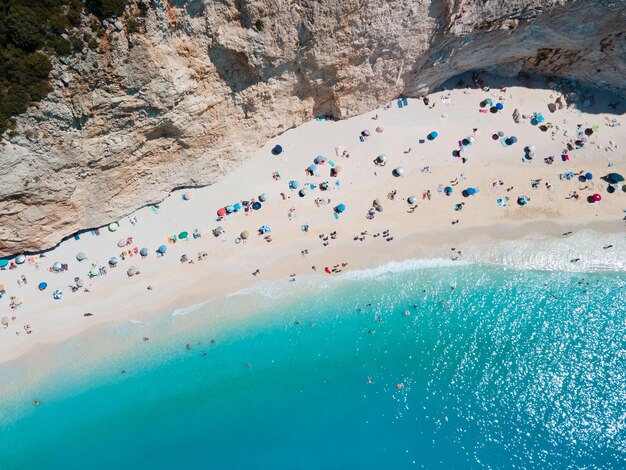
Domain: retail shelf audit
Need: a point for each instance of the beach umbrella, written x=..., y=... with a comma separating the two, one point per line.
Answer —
x=293, y=184
x=262, y=197
x=42, y=285
x=596, y=197
x=94, y=271
x=80, y=282
x=499, y=106
x=4, y=321
x=221, y=212
x=319, y=159
x=471, y=191
x=132, y=271
x=20, y=259
x=340, y=208
x=4, y=263
x=610, y=189
x=539, y=118
x=335, y=170
x=218, y=231
x=230, y=209
x=614, y=178
x=303, y=192
x=488, y=101
x=162, y=249
x=256, y=206
x=57, y=294
x=433, y=135
x=522, y=200
x=365, y=133
x=447, y=190
x=411, y=200
x=382, y=158
x=183, y=235
x=500, y=134
x=380, y=129
x=312, y=169
x=143, y=252
x=80, y=256
x=186, y=196
x=113, y=261
x=588, y=176
x=277, y=150
x=237, y=207
x=245, y=234
x=324, y=186
x=513, y=139
x=398, y=171
x=57, y=266
x=113, y=226
x=493, y=110
x=121, y=243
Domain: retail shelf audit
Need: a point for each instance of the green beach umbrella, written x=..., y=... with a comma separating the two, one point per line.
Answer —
x=183, y=235
x=113, y=226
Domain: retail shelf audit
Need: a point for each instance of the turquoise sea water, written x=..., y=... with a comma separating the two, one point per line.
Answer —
x=500, y=368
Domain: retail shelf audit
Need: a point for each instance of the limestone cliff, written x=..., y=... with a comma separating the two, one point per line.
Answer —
x=199, y=84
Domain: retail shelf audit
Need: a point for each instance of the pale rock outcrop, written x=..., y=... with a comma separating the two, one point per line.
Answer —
x=203, y=83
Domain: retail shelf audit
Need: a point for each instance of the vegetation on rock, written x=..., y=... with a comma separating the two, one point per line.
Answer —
x=31, y=31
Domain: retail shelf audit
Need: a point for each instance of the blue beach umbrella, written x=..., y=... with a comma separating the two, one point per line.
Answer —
x=4, y=263
x=143, y=252
x=319, y=159
x=433, y=135
x=57, y=294
x=589, y=176
x=293, y=184
x=312, y=169
x=162, y=249
x=237, y=207
x=42, y=285
x=500, y=106
x=340, y=208
x=447, y=190
x=277, y=150
x=256, y=206
x=230, y=209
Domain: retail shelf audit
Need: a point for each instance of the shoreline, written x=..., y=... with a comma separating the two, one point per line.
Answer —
x=529, y=236
x=195, y=297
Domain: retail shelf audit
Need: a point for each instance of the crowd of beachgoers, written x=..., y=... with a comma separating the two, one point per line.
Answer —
x=333, y=195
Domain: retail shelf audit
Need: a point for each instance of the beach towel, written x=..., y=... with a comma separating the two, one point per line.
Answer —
x=154, y=209
x=331, y=163
x=503, y=142
x=337, y=183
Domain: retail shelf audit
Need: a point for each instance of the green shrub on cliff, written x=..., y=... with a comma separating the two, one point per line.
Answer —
x=106, y=8
x=30, y=30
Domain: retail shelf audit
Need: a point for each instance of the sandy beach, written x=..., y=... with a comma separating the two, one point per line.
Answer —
x=527, y=212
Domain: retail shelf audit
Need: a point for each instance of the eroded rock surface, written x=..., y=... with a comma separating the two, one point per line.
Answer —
x=202, y=83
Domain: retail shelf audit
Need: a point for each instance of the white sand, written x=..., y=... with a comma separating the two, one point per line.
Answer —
x=520, y=236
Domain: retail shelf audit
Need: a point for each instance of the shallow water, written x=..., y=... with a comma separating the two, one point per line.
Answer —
x=499, y=367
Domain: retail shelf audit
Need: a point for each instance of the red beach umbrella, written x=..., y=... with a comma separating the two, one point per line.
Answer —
x=596, y=197
x=221, y=212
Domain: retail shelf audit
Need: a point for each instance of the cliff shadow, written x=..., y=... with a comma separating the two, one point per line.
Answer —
x=580, y=96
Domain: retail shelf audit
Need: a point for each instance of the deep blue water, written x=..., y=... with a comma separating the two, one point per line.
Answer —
x=509, y=369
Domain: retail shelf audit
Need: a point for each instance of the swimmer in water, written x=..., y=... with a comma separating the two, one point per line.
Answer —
x=36, y=402
x=399, y=386
x=407, y=313
x=369, y=380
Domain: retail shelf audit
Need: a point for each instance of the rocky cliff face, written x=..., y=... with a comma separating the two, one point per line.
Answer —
x=202, y=83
